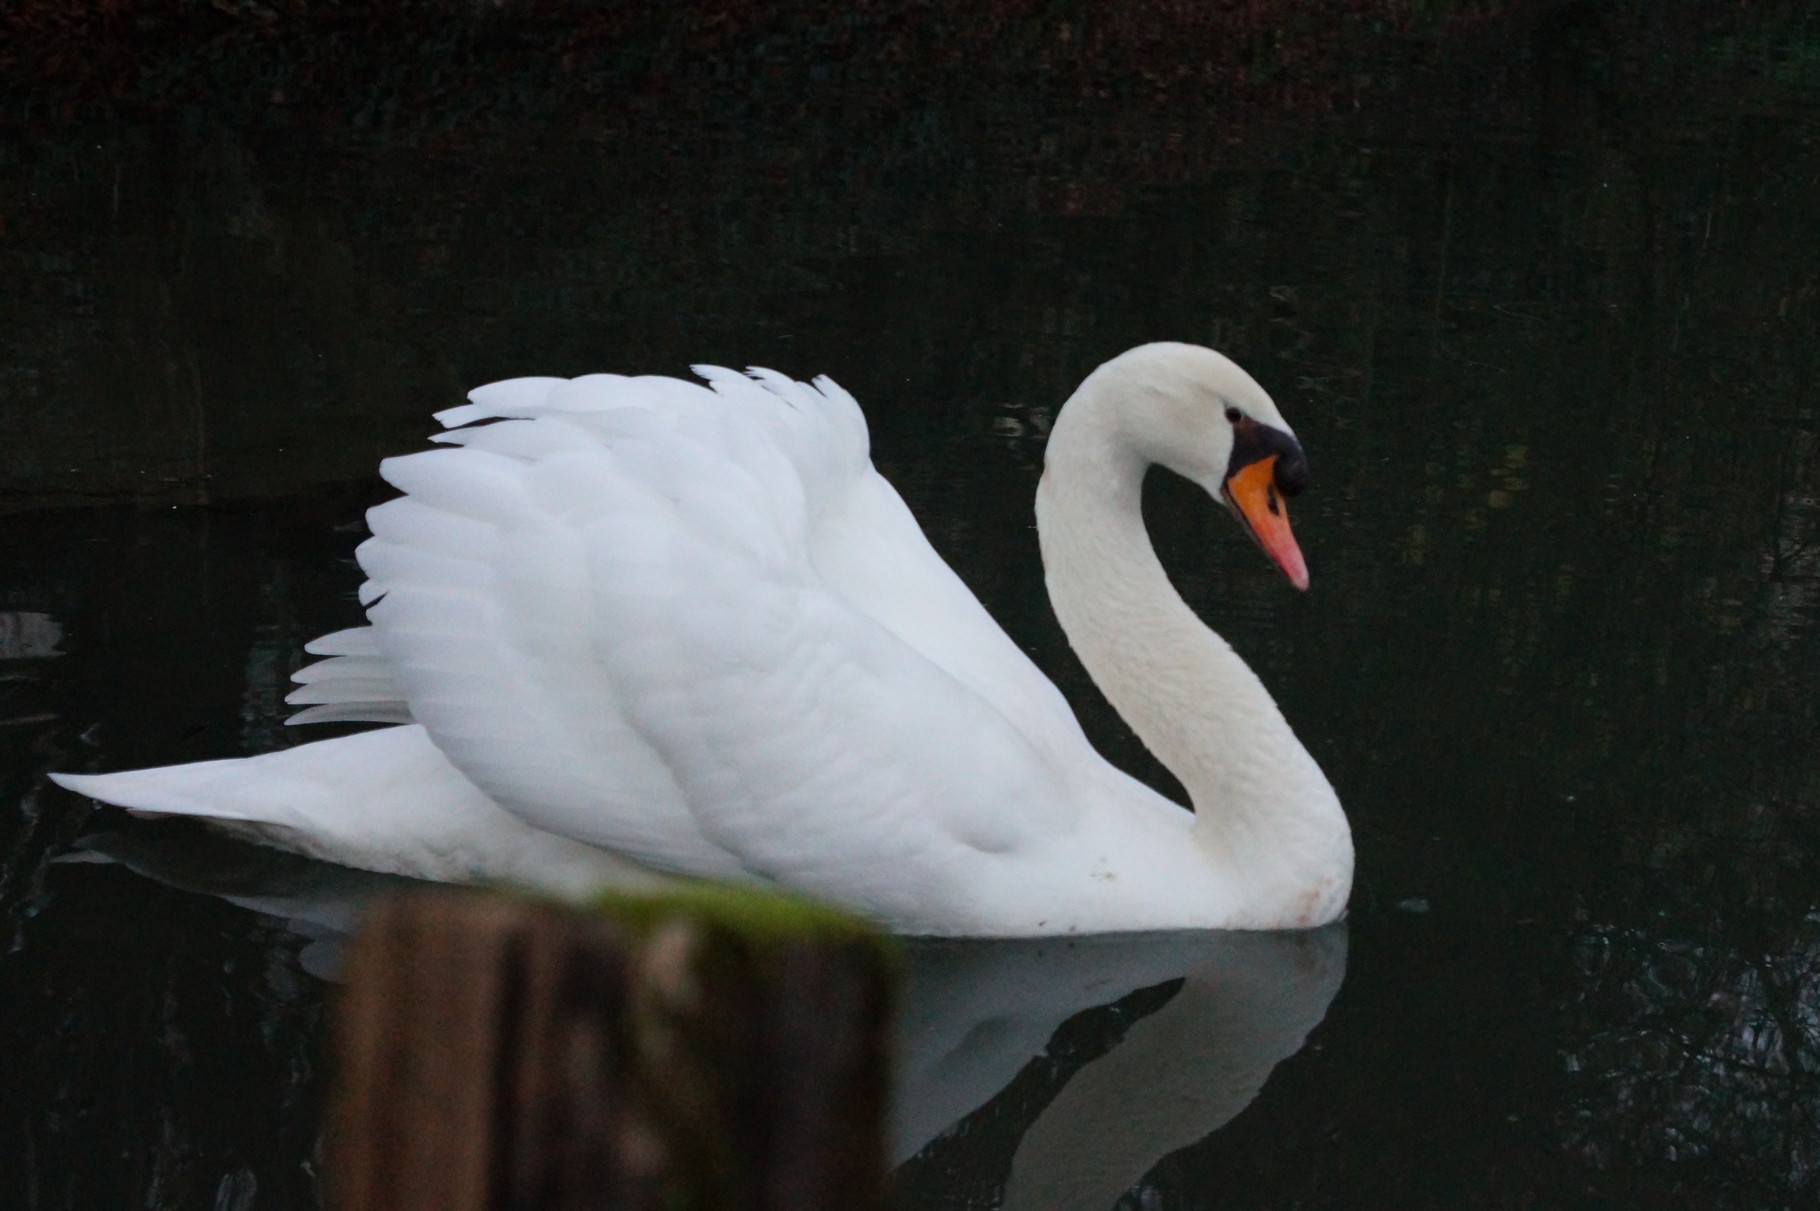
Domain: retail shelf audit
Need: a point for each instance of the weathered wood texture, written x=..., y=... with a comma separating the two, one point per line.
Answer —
x=500, y=1053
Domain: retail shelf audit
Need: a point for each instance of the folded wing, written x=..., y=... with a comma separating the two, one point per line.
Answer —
x=691, y=624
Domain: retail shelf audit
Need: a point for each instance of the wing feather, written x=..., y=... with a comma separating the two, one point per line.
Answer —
x=345, y=689
x=691, y=624
x=343, y=668
x=518, y=397
x=355, y=641
x=354, y=712
x=354, y=683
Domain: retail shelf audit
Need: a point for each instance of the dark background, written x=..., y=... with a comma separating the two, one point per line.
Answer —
x=1536, y=283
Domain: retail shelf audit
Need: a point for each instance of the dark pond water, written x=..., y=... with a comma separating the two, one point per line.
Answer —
x=1543, y=302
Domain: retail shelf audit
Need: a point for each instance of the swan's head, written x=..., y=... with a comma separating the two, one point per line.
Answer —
x=1197, y=413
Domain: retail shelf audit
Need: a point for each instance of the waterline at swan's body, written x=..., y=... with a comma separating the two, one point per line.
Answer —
x=637, y=626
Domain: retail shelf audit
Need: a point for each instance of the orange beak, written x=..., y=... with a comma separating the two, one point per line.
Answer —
x=1252, y=492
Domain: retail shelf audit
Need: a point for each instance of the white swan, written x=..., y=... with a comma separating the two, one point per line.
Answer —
x=640, y=625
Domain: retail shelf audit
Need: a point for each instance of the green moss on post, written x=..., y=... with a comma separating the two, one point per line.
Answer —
x=703, y=1048
x=755, y=913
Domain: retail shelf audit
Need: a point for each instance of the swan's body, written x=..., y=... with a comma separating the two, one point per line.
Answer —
x=643, y=625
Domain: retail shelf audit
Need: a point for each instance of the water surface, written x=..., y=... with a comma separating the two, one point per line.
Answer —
x=1548, y=333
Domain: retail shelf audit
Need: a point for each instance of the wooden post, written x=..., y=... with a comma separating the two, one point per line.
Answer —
x=706, y=1049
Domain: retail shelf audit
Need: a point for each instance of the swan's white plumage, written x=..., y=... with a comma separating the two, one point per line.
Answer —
x=653, y=629
x=689, y=624
x=388, y=796
x=355, y=686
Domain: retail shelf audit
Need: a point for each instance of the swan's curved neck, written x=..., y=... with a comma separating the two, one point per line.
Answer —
x=1259, y=798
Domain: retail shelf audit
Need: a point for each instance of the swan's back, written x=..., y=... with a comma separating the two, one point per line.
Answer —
x=693, y=625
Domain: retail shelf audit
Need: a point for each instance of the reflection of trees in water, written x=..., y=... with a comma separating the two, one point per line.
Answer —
x=163, y=1053
x=1792, y=568
x=1696, y=1033
x=1700, y=1055
x=29, y=724
x=1602, y=708
x=600, y=177
x=162, y=1049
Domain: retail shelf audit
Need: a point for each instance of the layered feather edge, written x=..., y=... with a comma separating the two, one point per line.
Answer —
x=512, y=760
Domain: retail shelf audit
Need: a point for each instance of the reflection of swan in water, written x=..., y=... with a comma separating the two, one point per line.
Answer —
x=1180, y=1074
x=318, y=901
x=974, y=1014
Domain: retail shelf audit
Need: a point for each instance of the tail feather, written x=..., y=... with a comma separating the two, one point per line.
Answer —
x=166, y=791
x=384, y=800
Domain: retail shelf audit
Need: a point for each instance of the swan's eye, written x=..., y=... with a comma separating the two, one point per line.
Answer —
x=1234, y=416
